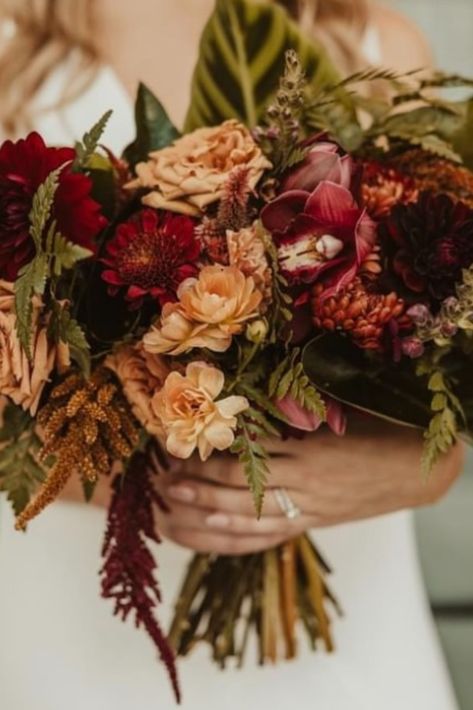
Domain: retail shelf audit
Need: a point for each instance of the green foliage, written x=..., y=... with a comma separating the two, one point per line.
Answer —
x=341, y=370
x=289, y=378
x=154, y=128
x=242, y=58
x=31, y=280
x=64, y=328
x=54, y=254
x=20, y=472
x=443, y=428
x=252, y=455
x=90, y=140
x=281, y=314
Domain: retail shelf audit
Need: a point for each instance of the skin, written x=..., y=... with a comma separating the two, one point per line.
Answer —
x=371, y=471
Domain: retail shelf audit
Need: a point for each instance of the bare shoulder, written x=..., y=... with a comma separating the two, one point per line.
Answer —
x=404, y=45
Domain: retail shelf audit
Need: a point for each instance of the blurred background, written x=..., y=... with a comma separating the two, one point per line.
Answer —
x=445, y=531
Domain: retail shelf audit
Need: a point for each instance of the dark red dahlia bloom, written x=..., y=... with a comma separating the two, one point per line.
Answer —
x=323, y=232
x=429, y=244
x=151, y=254
x=24, y=165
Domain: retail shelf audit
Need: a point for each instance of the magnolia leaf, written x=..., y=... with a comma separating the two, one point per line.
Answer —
x=242, y=57
x=67, y=254
x=90, y=140
x=154, y=128
x=341, y=370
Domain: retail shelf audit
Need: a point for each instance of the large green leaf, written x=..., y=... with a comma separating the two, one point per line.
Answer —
x=154, y=129
x=347, y=374
x=242, y=57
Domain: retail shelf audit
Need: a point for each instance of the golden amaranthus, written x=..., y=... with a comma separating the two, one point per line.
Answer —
x=86, y=426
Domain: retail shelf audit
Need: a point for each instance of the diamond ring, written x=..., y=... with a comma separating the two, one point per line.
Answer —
x=287, y=505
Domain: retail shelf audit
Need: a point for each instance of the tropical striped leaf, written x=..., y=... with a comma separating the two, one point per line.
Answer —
x=242, y=57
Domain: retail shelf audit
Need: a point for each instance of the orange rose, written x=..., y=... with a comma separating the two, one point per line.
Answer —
x=141, y=375
x=211, y=310
x=191, y=416
x=191, y=174
x=21, y=379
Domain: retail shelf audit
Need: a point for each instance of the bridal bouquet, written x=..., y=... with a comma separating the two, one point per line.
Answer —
x=249, y=279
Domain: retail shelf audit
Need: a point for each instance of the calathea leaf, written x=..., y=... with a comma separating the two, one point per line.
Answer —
x=346, y=373
x=242, y=58
x=154, y=128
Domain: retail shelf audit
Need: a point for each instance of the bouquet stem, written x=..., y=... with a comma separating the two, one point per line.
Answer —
x=224, y=599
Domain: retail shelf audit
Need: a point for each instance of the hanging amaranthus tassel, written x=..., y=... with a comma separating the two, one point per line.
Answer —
x=128, y=571
x=86, y=426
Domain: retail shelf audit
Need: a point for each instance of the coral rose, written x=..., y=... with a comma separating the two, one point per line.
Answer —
x=23, y=380
x=192, y=417
x=191, y=174
x=211, y=310
x=141, y=375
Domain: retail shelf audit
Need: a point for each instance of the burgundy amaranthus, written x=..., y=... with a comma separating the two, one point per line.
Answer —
x=128, y=573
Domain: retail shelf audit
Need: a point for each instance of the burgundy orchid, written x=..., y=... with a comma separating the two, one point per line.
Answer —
x=323, y=232
x=323, y=162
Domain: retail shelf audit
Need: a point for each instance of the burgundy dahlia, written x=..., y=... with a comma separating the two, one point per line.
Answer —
x=150, y=255
x=429, y=244
x=24, y=165
x=323, y=232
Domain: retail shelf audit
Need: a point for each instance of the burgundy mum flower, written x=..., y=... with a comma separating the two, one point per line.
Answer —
x=151, y=254
x=24, y=165
x=320, y=233
x=429, y=244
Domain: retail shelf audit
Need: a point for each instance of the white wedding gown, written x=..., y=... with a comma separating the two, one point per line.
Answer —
x=61, y=649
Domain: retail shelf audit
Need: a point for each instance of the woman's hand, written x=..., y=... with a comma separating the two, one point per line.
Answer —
x=373, y=470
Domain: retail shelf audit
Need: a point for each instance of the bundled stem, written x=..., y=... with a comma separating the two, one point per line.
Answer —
x=224, y=599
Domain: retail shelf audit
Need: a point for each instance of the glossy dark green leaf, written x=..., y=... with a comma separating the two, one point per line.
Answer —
x=154, y=128
x=242, y=58
x=347, y=374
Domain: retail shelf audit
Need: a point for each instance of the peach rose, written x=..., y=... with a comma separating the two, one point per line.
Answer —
x=192, y=417
x=23, y=380
x=141, y=375
x=247, y=252
x=211, y=310
x=191, y=174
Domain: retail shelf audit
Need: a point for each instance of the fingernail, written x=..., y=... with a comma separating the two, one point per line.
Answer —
x=218, y=520
x=182, y=493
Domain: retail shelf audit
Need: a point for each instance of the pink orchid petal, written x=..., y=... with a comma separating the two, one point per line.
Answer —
x=332, y=204
x=278, y=215
x=297, y=416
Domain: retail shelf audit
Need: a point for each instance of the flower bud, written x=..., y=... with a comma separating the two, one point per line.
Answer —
x=257, y=331
x=413, y=347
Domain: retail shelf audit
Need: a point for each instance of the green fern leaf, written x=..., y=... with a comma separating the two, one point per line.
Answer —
x=90, y=140
x=20, y=472
x=67, y=254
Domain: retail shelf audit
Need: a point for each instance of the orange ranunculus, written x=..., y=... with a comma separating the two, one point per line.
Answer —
x=211, y=310
x=191, y=174
x=141, y=375
x=192, y=416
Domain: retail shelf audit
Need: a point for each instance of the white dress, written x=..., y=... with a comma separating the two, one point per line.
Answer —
x=61, y=649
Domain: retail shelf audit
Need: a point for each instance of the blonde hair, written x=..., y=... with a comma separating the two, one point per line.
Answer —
x=47, y=32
